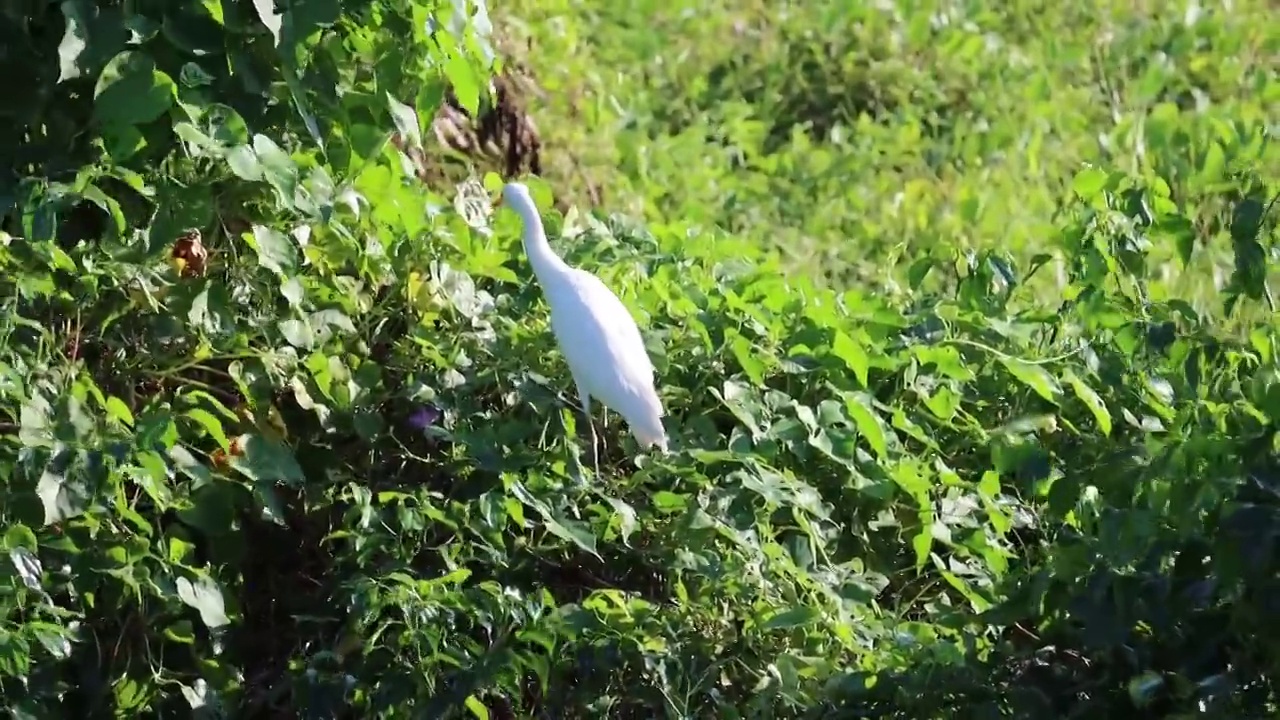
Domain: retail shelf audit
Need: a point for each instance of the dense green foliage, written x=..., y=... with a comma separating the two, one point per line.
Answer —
x=961, y=315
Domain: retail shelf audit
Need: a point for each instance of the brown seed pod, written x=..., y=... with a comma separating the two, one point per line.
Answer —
x=189, y=257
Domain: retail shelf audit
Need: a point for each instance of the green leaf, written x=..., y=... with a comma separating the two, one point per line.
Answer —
x=276, y=252
x=206, y=597
x=278, y=169
x=799, y=616
x=266, y=460
x=1215, y=163
x=477, y=708
x=626, y=515
x=20, y=536
x=122, y=141
x=573, y=531
x=243, y=161
x=182, y=632
x=406, y=122
x=922, y=543
x=869, y=424
x=853, y=354
x=293, y=291
x=1034, y=377
x=989, y=485
x=213, y=9
x=131, y=91
x=742, y=401
x=1089, y=183
x=298, y=333
x=466, y=87
x=118, y=411
x=55, y=639
x=748, y=356
x=211, y=425
x=61, y=499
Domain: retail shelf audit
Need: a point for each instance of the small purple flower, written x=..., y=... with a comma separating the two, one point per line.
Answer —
x=424, y=417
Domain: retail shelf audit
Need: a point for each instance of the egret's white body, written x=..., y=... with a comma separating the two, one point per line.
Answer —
x=598, y=337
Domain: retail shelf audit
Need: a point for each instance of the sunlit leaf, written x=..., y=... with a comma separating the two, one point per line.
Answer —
x=206, y=597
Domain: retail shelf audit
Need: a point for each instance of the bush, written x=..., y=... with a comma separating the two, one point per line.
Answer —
x=291, y=438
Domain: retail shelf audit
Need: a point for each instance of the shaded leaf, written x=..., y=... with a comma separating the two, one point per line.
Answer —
x=266, y=460
x=131, y=90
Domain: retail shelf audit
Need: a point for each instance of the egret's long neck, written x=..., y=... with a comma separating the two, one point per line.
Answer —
x=546, y=264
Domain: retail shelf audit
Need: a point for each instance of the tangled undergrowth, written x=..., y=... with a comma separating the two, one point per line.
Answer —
x=286, y=434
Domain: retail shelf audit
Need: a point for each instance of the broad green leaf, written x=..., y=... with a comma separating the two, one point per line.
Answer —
x=117, y=410
x=122, y=141
x=267, y=460
x=1214, y=165
x=748, y=356
x=462, y=78
x=298, y=333
x=573, y=531
x=62, y=499
x=278, y=169
x=477, y=708
x=293, y=290
x=131, y=91
x=406, y=122
x=853, y=354
x=1092, y=401
x=211, y=425
x=1034, y=377
x=276, y=251
x=869, y=424
x=19, y=536
x=182, y=632
x=626, y=516
x=989, y=485
x=799, y=616
x=742, y=402
x=55, y=639
x=1089, y=183
x=944, y=401
x=213, y=9
x=243, y=161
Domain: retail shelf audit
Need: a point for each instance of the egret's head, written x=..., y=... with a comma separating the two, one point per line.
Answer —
x=515, y=195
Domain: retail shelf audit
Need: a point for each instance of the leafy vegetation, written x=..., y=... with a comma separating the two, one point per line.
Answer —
x=962, y=315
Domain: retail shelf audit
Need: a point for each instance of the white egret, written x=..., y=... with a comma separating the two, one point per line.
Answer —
x=598, y=337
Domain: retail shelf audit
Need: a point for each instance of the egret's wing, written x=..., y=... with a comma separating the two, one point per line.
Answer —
x=606, y=353
x=613, y=322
